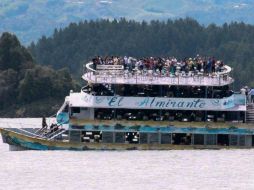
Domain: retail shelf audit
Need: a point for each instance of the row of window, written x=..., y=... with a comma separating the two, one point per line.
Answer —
x=162, y=138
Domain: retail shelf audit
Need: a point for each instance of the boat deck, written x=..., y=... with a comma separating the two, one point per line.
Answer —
x=115, y=74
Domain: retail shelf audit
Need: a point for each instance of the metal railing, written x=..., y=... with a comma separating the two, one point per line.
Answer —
x=30, y=130
x=121, y=76
x=56, y=134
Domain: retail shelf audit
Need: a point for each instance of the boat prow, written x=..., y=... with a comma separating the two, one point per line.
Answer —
x=26, y=140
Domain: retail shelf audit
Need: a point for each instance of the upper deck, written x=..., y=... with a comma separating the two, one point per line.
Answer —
x=117, y=74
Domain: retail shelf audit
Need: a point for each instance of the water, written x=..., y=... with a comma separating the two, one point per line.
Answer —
x=179, y=169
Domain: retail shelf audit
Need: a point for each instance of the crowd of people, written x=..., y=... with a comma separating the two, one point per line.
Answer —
x=161, y=65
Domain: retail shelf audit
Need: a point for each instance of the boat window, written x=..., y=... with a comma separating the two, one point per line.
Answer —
x=91, y=136
x=75, y=136
x=119, y=137
x=153, y=138
x=75, y=109
x=107, y=137
x=181, y=138
x=211, y=139
x=166, y=138
x=132, y=137
x=143, y=138
x=223, y=139
x=233, y=140
x=241, y=140
x=199, y=139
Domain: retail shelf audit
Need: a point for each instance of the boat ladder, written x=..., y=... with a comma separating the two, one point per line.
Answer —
x=250, y=113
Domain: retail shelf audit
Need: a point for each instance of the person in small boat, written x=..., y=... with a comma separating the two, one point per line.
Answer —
x=53, y=127
x=44, y=123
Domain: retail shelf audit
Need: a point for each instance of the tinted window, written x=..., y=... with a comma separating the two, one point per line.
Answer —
x=75, y=109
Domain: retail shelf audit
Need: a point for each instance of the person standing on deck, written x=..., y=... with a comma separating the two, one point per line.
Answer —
x=243, y=91
x=251, y=94
x=44, y=123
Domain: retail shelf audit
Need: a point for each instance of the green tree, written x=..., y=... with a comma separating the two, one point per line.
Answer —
x=26, y=85
x=12, y=54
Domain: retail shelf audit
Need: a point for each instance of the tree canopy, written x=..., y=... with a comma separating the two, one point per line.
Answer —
x=22, y=81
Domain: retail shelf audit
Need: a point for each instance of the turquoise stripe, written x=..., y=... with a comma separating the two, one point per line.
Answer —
x=169, y=129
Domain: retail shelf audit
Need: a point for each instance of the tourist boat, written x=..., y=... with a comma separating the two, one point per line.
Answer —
x=131, y=109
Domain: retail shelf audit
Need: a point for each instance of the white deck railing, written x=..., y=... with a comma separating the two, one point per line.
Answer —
x=115, y=74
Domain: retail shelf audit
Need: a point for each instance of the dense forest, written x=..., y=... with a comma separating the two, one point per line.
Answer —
x=73, y=46
x=28, y=89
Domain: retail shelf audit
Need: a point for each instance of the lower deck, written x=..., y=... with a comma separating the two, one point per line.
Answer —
x=162, y=133
x=158, y=138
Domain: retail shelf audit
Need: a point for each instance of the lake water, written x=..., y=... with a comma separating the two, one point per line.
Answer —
x=144, y=170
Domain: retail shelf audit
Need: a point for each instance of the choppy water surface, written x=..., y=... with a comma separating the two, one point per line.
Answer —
x=186, y=169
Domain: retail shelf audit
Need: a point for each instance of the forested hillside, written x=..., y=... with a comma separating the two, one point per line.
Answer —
x=28, y=89
x=78, y=43
x=29, y=20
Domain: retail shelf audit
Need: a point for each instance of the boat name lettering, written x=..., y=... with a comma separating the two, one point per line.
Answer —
x=197, y=103
x=87, y=98
x=115, y=101
x=231, y=102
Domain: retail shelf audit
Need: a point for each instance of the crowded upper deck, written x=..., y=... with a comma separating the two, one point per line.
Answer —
x=197, y=71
